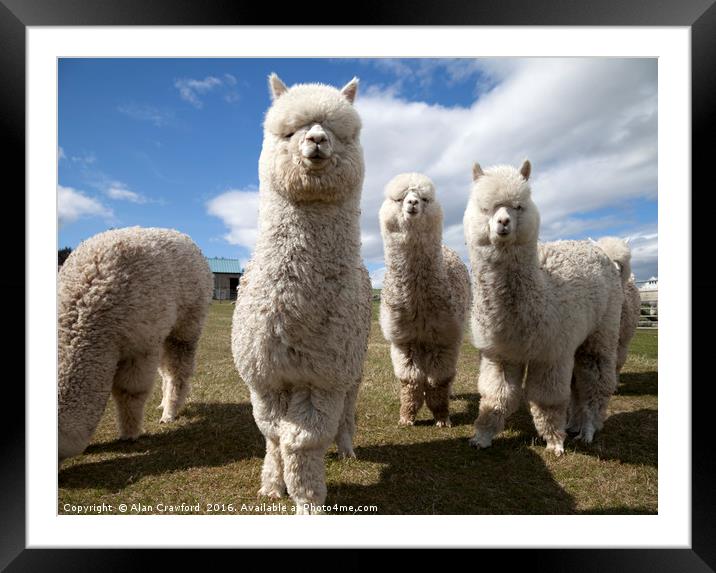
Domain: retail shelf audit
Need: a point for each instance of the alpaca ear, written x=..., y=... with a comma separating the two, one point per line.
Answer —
x=627, y=240
x=276, y=87
x=477, y=171
x=350, y=90
x=526, y=169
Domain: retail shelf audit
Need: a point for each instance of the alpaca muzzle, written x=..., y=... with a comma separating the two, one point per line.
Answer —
x=316, y=146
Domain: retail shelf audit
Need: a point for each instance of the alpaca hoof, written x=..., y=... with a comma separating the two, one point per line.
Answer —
x=406, y=422
x=585, y=437
x=346, y=453
x=129, y=437
x=344, y=446
x=480, y=442
x=556, y=449
x=166, y=419
x=273, y=492
x=446, y=423
x=305, y=507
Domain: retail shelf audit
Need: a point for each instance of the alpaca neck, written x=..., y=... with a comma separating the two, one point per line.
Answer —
x=329, y=232
x=504, y=278
x=414, y=263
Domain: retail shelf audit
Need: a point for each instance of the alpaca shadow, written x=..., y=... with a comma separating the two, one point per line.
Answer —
x=204, y=435
x=468, y=415
x=620, y=510
x=638, y=384
x=520, y=421
x=629, y=437
x=449, y=477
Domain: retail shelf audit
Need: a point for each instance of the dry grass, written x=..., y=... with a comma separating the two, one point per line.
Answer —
x=212, y=454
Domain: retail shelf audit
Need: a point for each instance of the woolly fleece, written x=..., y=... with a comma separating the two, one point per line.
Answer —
x=425, y=297
x=302, y=316
x=129, y=301
x=540, y=312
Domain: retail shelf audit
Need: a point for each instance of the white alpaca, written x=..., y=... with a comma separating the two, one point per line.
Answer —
x=425, y=297
x=302, y=316
x=549, y=309
x=129, y=301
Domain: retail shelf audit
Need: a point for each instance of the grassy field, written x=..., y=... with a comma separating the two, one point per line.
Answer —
x=213, y=453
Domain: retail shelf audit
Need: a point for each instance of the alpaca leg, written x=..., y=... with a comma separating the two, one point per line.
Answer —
x=412, y=393
x=176, y=368
x=347, y=426
x=437, y=399
x=84, y=386
x=132, y=386
x=272, y=484
x=412, y=396
x=607, y=386
x=500, y=387
x=597, y=380
x=574, y=412
x=548, y=393
x=622, y=353
x=309, y=426
x=268, y=409
x=586, y=375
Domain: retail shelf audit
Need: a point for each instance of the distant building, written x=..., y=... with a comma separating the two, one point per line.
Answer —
x=227, y=274
x=649, y=290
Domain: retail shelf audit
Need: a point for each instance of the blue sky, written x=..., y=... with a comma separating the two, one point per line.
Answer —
x=175, y=142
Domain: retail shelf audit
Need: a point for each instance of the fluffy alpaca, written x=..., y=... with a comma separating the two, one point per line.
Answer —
x=425, y=297
x=618, y=250
x=302, y=316
x=129, y=301
x=547, y=309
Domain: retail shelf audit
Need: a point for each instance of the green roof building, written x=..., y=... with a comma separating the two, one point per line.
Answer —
x=227, y=275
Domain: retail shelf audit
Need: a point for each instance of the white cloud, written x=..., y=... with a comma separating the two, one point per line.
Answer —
x=60, y=153
x=377, y=277
x=587, y=125
x=239, y=210
x=120, y=192
x=84, y=160
x=144, y=112
x=190, y=89
x=644, y=246
x=73, y=205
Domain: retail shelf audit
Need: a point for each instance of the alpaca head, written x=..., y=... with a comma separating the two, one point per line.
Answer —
x=500, y=211
x=410, y=207
x=311, y=149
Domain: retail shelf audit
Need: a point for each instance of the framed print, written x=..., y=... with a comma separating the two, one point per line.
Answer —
x=153, y=116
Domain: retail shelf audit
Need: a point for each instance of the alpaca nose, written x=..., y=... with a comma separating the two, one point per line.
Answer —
x=504, y=221
x=316, y=135
x=412, y=201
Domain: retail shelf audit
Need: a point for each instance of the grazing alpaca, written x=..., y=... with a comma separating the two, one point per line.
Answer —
x=425, y=297
x=549, y=309
x=302, y=316
x=130, y=301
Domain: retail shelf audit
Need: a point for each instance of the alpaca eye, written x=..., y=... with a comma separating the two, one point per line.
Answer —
x=519, y=207
x=425, y=200
x=485, y=211
x=289, y=135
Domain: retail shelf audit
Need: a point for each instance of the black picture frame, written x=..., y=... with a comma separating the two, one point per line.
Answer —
x=699, y=15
